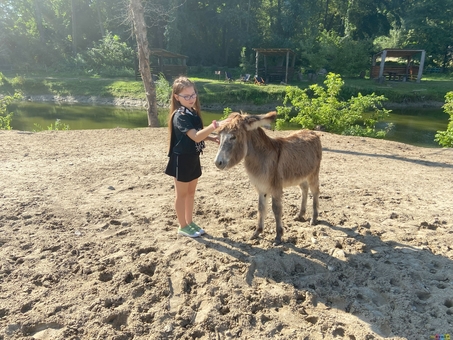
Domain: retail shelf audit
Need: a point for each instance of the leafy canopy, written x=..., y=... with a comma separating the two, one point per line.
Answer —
x=322, y=107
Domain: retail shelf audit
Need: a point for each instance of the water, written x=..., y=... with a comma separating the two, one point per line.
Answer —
x=78, y=117
x=416, y=126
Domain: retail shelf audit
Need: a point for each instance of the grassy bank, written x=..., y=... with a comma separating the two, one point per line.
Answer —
x=432, y=88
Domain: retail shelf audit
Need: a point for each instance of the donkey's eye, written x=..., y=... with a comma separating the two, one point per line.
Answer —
x=232, y=137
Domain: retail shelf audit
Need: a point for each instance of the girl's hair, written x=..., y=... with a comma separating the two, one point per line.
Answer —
x=179, y=85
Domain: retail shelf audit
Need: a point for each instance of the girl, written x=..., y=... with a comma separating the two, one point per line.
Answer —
x=186, y=143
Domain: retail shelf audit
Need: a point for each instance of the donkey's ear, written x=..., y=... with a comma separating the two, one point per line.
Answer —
x=261, y=121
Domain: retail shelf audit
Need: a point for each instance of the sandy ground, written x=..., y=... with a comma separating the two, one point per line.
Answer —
x=89, y=249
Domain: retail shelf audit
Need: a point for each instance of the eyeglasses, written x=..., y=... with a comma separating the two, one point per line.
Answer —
x=188, y=97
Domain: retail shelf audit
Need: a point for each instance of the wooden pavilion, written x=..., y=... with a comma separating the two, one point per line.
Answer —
x=407, y=72
x=170, y=64
x=278, y=64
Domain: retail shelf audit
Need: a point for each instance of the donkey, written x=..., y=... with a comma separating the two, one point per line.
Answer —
x=272, y=163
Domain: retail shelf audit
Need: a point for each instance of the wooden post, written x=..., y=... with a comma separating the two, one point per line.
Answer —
x=381, y=68
x=287, y=64
x=256, y=63
x=422, y=63
x=408, y=71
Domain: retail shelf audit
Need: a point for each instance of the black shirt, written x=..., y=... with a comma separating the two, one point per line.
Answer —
x=183, y=121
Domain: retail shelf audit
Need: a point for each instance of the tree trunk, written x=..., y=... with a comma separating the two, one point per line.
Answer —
x=74, y=28
x=38, y=18
x=101, y=25
x=138, y=20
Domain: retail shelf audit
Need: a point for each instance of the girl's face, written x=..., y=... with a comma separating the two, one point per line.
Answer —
x=187, y=97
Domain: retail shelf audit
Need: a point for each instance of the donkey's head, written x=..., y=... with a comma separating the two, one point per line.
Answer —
x=234, y=135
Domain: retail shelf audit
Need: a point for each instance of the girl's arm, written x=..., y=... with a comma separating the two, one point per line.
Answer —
x=198, y=136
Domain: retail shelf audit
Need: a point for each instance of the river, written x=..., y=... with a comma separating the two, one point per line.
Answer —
x=415, y=126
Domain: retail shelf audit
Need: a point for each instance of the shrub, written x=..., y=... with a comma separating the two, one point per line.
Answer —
x=445, y=138
x=319, y=107
x=110, y=57
x=59, y=125
x=246, y=63
x=163, y=90
x=5, y=116
x=337, y=54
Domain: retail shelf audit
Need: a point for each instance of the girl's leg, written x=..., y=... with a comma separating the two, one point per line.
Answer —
x=190, y=200
x=181, y=191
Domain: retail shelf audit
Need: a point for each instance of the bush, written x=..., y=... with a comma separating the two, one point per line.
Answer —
x=58, y=126
x=5, y=116
x=247, y=64
x=110, y=57
x=319, y=107
x=445, y=138
x=163, y=90
x=337, y=54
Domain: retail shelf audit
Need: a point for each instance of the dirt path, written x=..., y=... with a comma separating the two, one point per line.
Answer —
x=89, y=250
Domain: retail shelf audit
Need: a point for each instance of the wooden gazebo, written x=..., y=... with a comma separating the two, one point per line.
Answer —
x=403, y=73
x=281, y=70
x=170, y=64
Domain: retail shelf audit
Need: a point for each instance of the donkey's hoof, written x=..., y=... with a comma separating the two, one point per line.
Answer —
x=277, y=241
x=299, y=218
x=313, y=222
x=255, y=235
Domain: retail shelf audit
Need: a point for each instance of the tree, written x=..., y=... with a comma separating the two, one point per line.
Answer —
x=430, y=24
x=138, y=19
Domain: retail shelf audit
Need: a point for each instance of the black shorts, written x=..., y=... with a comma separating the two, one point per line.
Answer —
x=185, y=168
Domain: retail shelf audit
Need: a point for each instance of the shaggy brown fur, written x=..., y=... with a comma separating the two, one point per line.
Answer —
x=272, y=163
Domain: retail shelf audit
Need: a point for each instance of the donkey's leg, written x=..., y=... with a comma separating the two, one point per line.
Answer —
x=277, y=209
x=262, y=210
x=303, y=206
x=314, y=188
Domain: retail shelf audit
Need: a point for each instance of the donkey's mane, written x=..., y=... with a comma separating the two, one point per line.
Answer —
x=264, y=138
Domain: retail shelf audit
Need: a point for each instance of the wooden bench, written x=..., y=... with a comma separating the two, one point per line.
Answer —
x=396, y=73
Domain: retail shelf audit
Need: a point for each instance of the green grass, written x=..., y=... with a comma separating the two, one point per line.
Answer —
x=214, y=91
x=431, y=88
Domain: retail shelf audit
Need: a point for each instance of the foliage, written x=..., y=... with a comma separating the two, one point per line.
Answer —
x=245, y=63
x=429, y=26
x=337, y=54
x=394, y=39
x=64, y=35
x=319, y=107
x=5, y=116
x=445, y=138
x=226, y=112
x=58, y=126
x=163, y=90
x=109, y=57
x=5, y=85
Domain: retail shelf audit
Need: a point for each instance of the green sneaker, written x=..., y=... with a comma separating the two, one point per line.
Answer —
x=188, y=231
x=197, y=228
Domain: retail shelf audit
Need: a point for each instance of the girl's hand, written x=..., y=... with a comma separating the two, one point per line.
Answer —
x=224, y=122
x=213, y=138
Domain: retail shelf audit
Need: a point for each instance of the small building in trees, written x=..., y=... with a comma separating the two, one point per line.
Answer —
x=276, y=64
x=398, y=64
x=170, y=64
